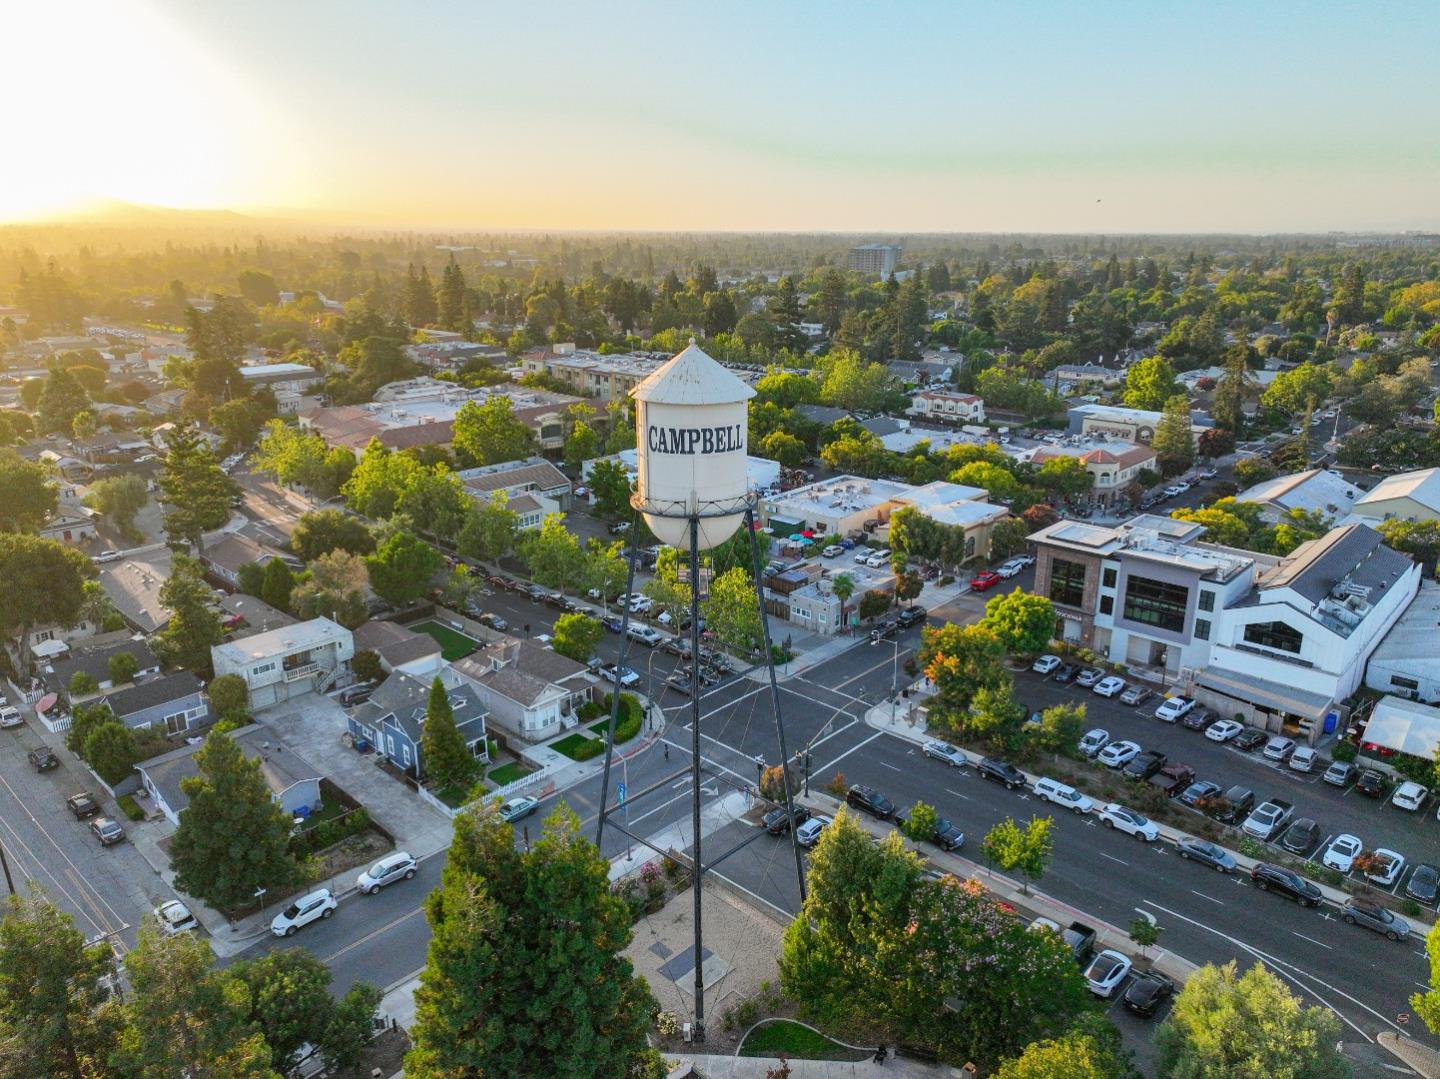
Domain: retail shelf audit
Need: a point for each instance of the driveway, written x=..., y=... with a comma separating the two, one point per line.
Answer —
x=313, y=727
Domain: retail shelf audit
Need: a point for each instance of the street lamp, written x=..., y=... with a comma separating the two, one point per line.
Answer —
x=894, y=674
x=805, y=753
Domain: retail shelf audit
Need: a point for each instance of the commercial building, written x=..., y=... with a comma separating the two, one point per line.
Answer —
x=1407, y=661
x=590, y=374
x=880, y=259
x=287, y=662
x=1114, y=467
x=294, y=378
x=1130, y=424
x=1407, y=496
x=1315, y=490
x=943, y=405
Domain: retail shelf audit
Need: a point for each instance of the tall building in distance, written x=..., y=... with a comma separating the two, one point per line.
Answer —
x=874, y=258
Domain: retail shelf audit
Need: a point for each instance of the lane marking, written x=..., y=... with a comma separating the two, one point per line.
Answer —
x=1112, y=857
x=957, y=794
x=1312, y=940
x=1202, y=895
x=373, y=934
x=892, y=768
x=1146, y=915
x=862, y=745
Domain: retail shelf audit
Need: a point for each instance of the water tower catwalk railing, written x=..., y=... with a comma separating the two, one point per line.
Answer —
x=694, y=513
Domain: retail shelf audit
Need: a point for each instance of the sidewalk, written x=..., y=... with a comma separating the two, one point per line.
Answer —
x=715, y=1067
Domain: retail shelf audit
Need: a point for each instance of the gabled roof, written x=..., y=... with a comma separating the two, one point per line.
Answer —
x=282, y=768
x=1353, y=553
x=1315, y=489
x=96, y=661
x=401, y=700
x=1422, y=487
x=152, y=693
x=393, y=643
x=541, y=474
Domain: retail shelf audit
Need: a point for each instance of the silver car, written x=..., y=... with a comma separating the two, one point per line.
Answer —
x=944, y=751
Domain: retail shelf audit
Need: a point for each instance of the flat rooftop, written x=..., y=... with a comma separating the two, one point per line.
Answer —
x=840, y=496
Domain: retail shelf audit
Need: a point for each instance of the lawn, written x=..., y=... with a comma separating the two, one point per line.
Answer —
x=794, y=1040
x=572, y=746
x=453, y=644
x=509, y=773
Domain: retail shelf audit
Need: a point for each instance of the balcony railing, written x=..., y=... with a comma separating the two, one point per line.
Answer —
x=294, y=674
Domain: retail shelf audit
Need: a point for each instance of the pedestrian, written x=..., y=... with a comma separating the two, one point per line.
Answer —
x=667, y=750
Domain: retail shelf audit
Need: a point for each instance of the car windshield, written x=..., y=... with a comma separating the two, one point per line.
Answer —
x=292, y=911
x=379, y=869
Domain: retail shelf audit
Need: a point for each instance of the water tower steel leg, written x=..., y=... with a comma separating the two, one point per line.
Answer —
x=775, y=697
x=615, y=695
x=695, y=683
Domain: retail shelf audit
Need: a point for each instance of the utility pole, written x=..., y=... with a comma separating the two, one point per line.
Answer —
x=6, y=866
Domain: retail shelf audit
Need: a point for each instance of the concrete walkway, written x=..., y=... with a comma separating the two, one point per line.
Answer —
x=716, y=1067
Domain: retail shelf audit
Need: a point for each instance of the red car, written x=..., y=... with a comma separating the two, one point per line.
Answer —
x=984, y=580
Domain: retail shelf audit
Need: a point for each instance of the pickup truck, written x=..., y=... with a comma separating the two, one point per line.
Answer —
x=1079, y=938
x=1269, y=819
x=1173, y=778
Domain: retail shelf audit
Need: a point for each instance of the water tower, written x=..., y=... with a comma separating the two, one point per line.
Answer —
x=693, y=491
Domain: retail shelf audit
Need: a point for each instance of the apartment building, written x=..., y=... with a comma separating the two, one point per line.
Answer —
x=287, y=662
x=943, y=405
x=590, y=374
x=879, y=259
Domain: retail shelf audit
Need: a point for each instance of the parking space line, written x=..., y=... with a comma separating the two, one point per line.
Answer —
x=1312, y=940
x=886, y=764
x=1112, y=857
x=957, y=794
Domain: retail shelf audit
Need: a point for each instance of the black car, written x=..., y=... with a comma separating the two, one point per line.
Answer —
x=1249, y=739
x=1146, y=764
x=558, y=601
x=885, y=629
x=493, y=621
x=947, y=835
x=1303, y=836
x=1197, y=719
x=1203, y=851
x=1371, y=784
x=1147, y=992
x=911, y=616
x=1272, y=878
x=778, y=822
x=43, y=759
x=1066, y=672
x=1001, y=772
x=82, y=805
x=1198, y=791
x=1423, y=884
x=870, y=800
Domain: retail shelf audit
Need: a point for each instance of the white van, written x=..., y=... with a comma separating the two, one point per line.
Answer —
x=1052, y=790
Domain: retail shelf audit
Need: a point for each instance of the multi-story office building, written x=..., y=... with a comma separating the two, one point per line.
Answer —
x=878, y=259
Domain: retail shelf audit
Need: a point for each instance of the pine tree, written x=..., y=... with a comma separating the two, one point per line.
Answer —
x=277, y=584
x=195, y=491
x=442, y=750
x=452, y=309
x=1174, y=442
x=784, y=311
x=234, y=838
x=420, y=308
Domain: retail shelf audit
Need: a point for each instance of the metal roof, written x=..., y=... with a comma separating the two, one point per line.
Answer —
x=691, y=377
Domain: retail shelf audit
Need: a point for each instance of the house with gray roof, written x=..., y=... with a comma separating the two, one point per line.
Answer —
x=400, y=648
x=1316, y=490
x=531, y=691
x=293, y=781
x=175, y=702
x=92, y=657
x=393, y=719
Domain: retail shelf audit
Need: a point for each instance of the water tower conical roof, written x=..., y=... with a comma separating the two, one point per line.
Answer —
x=691, y=377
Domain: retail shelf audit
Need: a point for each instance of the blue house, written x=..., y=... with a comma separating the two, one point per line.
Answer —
x=393, y=719
x=174, y=702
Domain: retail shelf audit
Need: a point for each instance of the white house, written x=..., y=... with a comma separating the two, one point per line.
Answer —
x=946, y=405
x=1408, y=496
x=1315, y=490
x=530, y=691
x=287, y=662
x=1407, y=662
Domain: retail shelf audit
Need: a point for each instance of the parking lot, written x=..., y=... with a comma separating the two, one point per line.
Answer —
x=1376, y=822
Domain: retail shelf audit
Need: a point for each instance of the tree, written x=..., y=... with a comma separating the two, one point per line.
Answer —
x=366, y=665
x=908, y=586
x=1023, y=622
x=1072, y=1056
x=843, y=586
x=961, y=660
x=120, y=498
x=230, y=699
x=122, y=667
x=1064, y=476
x=785, y=317
x=288, y=1001
x=1419, y=539
x=1009, y=536
x=45, y=583
x=183, y=1017
x=604, y=569
x=581, y=444
x=1248, y=1025
x=1227, y=406
x=785, y=448
x=1000, y=482
x=61, y=400
x=553, y=553
x=490, y=530
x=334, y=588
x=194, y=626
x=1252, y=470
x=194, y=488
x=322, y=531
x=525, y=976
x=1024, y=850
x=30, y=494
x=238, y=421
x=378, y=482
x=448, y=762
x=1298, y=391
x=436, y=501
x=576, y=635
x=1174, y=442
x=234, y=838
x=1060, y=728
x=110, y=750
x=921, y=822
x=258, y=287
x=1150, y=383
x=610, y=489
x=277, y=584
x=874, y=603
x=1144, y=933
x=401, y=567
x=1216, y=442
x=489, y=434
x=732, y=612
x=51, y=994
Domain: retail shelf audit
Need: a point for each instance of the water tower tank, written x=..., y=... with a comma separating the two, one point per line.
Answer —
x=692, y=425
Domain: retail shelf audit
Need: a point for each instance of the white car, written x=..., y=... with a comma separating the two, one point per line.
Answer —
x=1116, y=816
x=1088, y=677
x=1172, y=491
x=1062, y=795
x=1303, y=759
x=1094, y=741
x=1409, y=795
x=1045, y=664
x=1172, y=708
x=1119, y=754
x=644, y=634
x=393, y=867
x=308, y=908
x=944, y=751
x=1387, y=867
x=808, y=834
x=833, y=551
x=1223, y=730
x=875, y=561
x=642, y=605
x=1108, y=687
x=10, y=717
x=175, y=917
x=862, y=555
x=1106, y=972
x=1342, y=852
x=1279, y=748
x=1012, y=568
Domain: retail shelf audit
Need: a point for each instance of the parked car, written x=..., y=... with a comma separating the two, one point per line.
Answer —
x=1119, y=754
x=1147, y=992
x=43, y=758
x=944, y=751
x=1409, y=795
x=1197, y=719
x=393, y=867
x=82, y=805
x=1088, y=677
x=1146, y=764
x=884, y=630
x=1371, y=784
x=913, y=615
x=1066, y=672
x=1424, y=884
x=1340, y=774
x=1057, y=793
x=1385, y=868
x=833, y=551
x=1249, y=739
x=1173, y=778
x=1046, y=664
x=1094, y=741
x=356, y=694
x=1302, y=836
x=1303, y=758
x=1223, y=730
x=999, y=771
x=613, y=623
x=107, y=830
x=984, y=580
x=1199, y=791
x=493, y=621
x=1010, y=568
x=947, y=835
x=778, y=821
x=1234, y=805
x=870, y=800
x=1374, y=916
x=1268, y=819
x=174, y=918
x=1135, y=696
x=644, y=634
x=1279, y=748
x=808, y=834
x=1105, y=973
x=1108, y=687
x=308, y=908
x=1172, y=708
x=1340, y=855
x=1206, y=853
x=1274, y=878
x=624, y=675
x=513, y=809
x=1126, y=820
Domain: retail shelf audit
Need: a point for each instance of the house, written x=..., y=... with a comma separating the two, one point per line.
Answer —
x=1407, y=661
x=1080, y=373
x=224, y=557
x=133, y=585
x=1130, y=424
x=546, y=485
x=287, y=662
x=293, y=781
x=1315, y=490
x=70, y=525
x=1114, y=467
x=281, y=377
x=530, y=691
x=176, y=702
x=1407, y=496
x=827, y=416
x=93, y=657
x=1404, y=726
x=393, y=719
x=245, y=616
x=400, y=649
x=943, y=405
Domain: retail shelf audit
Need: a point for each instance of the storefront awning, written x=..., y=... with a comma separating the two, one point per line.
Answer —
x=1405, y=726
x=1270, y=695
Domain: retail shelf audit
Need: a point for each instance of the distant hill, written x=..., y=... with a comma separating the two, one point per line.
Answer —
x=136, y=214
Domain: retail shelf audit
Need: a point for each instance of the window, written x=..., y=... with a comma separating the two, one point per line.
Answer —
x=264, y=668
x=1274, y=635
x=44, y=635
x=406, y=747
x=1107, y=604
x=1156, y=603
x=1067, y=582
x=177, y=723
x=1202, y=629
x=1107, y=580
x=1404, y=683
x=1206, y=601
x=969, y=546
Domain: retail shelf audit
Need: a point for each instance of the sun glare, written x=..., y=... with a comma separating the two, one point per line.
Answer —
x=111, y=101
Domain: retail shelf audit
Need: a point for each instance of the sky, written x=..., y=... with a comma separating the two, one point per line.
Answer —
x=784, y=115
